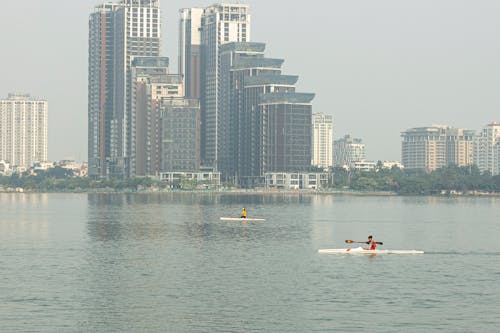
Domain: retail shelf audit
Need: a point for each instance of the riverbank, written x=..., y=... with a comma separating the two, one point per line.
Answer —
x=253, y=192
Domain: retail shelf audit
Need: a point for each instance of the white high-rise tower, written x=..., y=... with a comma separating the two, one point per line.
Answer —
x=487, y=149
x=220, y=24
x=322, y=125
x=23, y=130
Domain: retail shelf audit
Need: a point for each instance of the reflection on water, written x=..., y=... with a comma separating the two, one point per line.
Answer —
x=23, y=216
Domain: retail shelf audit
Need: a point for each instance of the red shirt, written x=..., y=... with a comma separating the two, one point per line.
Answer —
x=373, y=245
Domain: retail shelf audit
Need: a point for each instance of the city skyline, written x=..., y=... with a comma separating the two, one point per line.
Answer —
x=375, y=82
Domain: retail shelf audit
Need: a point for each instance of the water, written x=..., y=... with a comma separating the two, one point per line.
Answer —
x=166, y=263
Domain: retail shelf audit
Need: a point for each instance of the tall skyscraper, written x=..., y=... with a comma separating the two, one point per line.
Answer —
x=23, y=130
x=430, y=148
x=286, y=132
x=322, y=126
x=348, y=150
x=190, y=50
x=180, y=135
x=118, y=32
x=239, y=61
x=487, y=149
x=151, y=82
x=220, y=24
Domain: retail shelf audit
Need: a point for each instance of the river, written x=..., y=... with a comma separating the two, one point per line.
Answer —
x=166, y=263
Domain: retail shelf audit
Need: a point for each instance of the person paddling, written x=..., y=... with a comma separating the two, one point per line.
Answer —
x=243, y=213
x=372, y=243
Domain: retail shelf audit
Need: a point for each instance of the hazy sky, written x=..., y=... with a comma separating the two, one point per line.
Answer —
x=379, y=66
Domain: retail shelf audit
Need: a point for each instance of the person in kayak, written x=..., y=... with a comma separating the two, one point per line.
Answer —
x=243, y=213
x=372, y=243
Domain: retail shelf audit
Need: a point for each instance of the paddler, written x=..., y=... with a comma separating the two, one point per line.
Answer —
x=243, y=213
x=372, y=243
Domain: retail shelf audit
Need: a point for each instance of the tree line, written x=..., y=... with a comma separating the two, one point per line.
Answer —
x=450, y=179
x=60, y=179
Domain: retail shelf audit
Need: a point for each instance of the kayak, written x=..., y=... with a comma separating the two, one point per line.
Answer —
x=360, y=250
x=240, y=219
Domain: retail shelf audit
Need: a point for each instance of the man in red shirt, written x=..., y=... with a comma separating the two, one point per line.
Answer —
x=372, y=243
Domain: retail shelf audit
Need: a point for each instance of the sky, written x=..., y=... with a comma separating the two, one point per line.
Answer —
x=378, y=66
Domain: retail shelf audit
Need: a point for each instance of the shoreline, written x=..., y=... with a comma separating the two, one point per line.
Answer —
x=255, y=192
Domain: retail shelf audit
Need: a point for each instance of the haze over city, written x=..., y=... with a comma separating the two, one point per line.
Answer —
x=379, y=67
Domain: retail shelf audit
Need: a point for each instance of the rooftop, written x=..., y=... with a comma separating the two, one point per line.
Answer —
x=271, y=79
x=288, y=98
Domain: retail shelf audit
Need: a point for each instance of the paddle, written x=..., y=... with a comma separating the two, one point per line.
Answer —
x=349, y=241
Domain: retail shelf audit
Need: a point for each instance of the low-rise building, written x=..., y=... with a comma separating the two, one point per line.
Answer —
x=4, y=168
x=392, y=164
x=296, y=181
x=200, y=180
x=364, y=166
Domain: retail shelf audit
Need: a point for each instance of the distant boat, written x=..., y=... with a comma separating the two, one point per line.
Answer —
x=241, y=219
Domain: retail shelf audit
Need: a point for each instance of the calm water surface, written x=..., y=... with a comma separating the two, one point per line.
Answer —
x=166, y=263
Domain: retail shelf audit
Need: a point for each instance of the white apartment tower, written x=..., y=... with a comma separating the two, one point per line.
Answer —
x=487, y=149
x=348, y=150
x=190, y=50
x=220, y=24
x=23, y=130
x=322, y=127
x=434, y=147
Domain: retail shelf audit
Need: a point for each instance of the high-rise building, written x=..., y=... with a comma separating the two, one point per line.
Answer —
x=322, y=126
x=220, y=24
x=347, y=151
x=286, y=132
x=180, y=135
x=430, y=148
x=165, y=131
x=238, y=117
x=23, y=130
x=118, y=32
x=151, y=82
x=190, y=50
x=487, y=149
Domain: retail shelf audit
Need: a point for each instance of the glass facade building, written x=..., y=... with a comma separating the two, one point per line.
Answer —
x=286, y=132
x=118, y=32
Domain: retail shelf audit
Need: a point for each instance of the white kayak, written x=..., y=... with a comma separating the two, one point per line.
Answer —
x=360, y=250
x=240, y=219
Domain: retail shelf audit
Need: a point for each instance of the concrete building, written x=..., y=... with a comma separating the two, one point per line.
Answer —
x=190, y=50
x=348, y=150
x=286, y=132
x=220, y=24
x=23, y=130
x=165, y=125
x=200, y=180
x=364, y=166
x=180, y=147
x=4, y=168
x=118, y=32
x=430, y=148
x=322, y=127
x=296, y=181
x=150, y=83
x=487, y=149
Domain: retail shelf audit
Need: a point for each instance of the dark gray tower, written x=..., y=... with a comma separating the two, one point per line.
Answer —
x=118, y=32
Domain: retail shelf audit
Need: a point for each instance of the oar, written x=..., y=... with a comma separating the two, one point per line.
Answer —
x=349, y=241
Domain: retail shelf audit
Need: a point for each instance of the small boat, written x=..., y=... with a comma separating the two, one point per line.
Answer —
x=360, y=250
x=241, y=219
